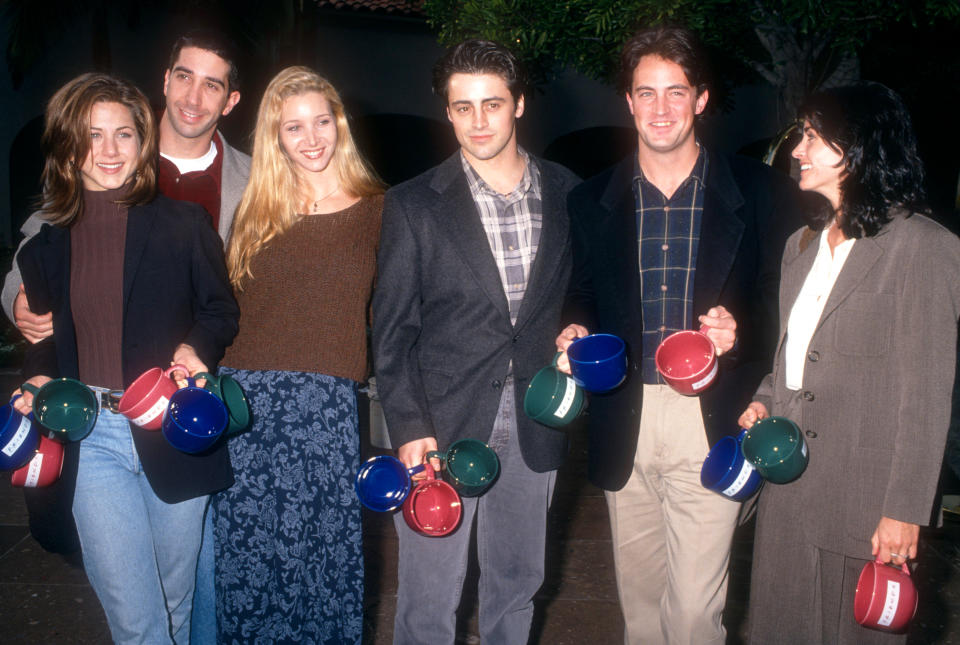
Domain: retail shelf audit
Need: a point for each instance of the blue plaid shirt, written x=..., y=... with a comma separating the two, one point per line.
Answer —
x=668, y=234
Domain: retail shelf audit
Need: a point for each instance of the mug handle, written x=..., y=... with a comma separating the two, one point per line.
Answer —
x=556, y=357
x=903, y=566
x=170, y=370
x=29, y=387
x=703, y=329
x=435, y=453
x=417, y=469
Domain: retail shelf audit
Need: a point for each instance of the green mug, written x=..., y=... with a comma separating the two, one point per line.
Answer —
x=553, y=398
x=229, y=391
x=470, y=466
x=776, y=448
x=65, y=408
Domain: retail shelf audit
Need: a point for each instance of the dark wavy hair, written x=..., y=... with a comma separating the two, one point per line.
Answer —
x=66, y=143
x=480, y=57
x=214, y=42
x=676, y=44
x=870, y=126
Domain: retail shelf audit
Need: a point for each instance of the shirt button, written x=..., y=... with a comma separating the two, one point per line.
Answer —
x=495, y=384
x=811, y=434
x=663, y=328
x=663, y=287
x=808, y=395
x=511, y=248
x=666, y=209
x=665, y=247
x=813, y=356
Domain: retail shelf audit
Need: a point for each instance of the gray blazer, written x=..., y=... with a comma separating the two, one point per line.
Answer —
x=443, y=343
x=877, y=383
x=233, y=179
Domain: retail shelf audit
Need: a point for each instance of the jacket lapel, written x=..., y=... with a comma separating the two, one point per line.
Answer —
x=617, y=231
x=554, y=231
x=720, y=234
x=863, y=256
x=140, y=221
x=456, y=214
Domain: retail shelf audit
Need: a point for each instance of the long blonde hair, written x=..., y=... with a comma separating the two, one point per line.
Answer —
x=275, y=196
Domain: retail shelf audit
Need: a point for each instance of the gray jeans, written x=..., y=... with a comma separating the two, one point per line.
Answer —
x=511, y=521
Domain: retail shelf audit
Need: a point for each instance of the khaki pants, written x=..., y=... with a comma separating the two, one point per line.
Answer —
x=671, y=536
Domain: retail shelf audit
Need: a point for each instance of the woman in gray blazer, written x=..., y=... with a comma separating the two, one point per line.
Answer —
x=869, y=301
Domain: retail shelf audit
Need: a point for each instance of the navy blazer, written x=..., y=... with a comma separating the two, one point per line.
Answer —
x=175, y=290
x=443, y=342
x=749, y=211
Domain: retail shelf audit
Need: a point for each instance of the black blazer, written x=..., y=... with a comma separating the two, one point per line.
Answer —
x=175, y=290
x=442, y=337
x=749, y=210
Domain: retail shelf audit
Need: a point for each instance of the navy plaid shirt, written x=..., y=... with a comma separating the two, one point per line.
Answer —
x=668, y=234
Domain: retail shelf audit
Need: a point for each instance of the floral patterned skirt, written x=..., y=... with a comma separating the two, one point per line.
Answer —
x=289, y=560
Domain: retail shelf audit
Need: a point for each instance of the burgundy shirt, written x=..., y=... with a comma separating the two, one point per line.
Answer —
x=200, y=187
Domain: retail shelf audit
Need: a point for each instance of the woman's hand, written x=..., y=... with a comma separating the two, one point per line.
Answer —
x=895, y=541
x=569, y=334
x=24, y=405
x=185, y=355
x=754, y=412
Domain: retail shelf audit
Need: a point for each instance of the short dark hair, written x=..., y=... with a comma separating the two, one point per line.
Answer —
x=869, y=124
x=211, y=41
x=480, y=57
x=676, y=44
x=66, y=143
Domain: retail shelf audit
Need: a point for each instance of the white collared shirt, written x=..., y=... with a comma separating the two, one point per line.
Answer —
x=808, y=307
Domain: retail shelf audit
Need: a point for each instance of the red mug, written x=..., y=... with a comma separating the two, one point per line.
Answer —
x=433, y=508
x=145, y=401
x=886, y=597
x=687, y=361
x=45, y=467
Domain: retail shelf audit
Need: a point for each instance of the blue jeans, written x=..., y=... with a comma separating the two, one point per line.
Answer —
x=140, y=553
x=511, y=518
x=203, y=626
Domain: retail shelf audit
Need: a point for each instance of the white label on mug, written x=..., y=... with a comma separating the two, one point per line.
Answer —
x=567, y=401
x=33, y=471
x=18, y=438
x=890, y=604
x=706, y=380
x=155, y=410
x=745, y=471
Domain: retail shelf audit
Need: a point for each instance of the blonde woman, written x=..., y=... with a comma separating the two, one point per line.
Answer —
x=302, y=259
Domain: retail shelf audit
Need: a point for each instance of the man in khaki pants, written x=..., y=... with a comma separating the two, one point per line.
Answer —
x=673, y=237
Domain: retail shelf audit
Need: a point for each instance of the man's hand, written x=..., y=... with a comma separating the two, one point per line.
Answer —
x=569, y=334
x=722, y=328
x=33, y=327
x=414, y=452
x=754, y=412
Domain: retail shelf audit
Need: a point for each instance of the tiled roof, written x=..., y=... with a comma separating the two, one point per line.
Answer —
x=412, y=7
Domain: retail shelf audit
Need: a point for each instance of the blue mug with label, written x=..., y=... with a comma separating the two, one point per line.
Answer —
x=727, y=473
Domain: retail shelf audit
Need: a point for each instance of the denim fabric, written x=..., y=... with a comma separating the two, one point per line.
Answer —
x=203, y=626
x=511, y=519
x=140, y=553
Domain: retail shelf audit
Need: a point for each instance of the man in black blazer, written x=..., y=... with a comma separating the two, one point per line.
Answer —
x=673, y=237
x=473, y=266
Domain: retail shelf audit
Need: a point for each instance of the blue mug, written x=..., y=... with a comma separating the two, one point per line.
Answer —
x=383, y=483
x=194, y=420
x=727, y=473
x=18, y=437
x=598, y=362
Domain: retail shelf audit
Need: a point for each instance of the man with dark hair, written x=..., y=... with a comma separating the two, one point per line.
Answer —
x=201, y=85
x=473, y=266
x=673, y=237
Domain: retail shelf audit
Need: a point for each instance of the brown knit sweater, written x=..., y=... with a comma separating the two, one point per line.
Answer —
x=97, y=240
x=306, y=307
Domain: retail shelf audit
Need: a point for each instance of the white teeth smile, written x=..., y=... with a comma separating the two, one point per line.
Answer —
x=660, y=124
x=110, y=166
x=313, y=155
x=806, y=166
